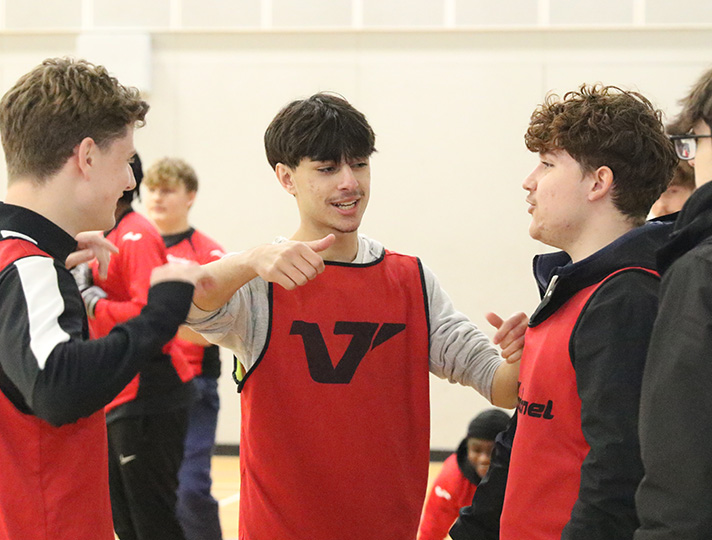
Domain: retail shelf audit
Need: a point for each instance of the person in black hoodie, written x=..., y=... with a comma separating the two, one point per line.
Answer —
x=460, y=475
x=674, y=499
x=575, y=460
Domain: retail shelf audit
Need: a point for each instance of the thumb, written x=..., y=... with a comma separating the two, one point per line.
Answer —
x=494, y=319
x=322, y=244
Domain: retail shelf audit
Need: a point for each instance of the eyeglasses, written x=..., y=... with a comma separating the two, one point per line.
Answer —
x=686, y=145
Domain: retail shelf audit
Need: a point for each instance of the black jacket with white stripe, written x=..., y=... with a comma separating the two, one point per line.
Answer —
x=48, y=368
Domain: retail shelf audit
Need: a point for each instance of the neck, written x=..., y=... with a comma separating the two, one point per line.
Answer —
x=167, y=228
x=598, y=236
x=48, y=199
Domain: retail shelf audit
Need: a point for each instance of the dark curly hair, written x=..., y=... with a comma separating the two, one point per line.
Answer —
x=606, y=126
x=51, y=109
x=323, y=127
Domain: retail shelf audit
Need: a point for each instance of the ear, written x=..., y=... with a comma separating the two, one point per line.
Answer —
x=85, y=153
x=602, y=185
x=191, y=198
x=285, y=175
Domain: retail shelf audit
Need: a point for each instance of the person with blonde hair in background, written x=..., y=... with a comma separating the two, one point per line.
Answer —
x=169, y=191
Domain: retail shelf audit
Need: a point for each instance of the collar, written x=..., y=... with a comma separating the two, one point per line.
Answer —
x=558, y=279
x=171, y=240
x=693, y=225
x=21, y=222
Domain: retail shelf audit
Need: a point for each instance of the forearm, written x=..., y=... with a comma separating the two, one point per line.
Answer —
x=80, y=377
x=192, y=336
x=505, y=385
x=229, y=274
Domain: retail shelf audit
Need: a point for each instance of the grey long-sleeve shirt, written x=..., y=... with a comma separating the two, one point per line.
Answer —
x=459, y=351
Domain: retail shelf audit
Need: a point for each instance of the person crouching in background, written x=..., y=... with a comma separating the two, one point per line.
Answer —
x=462, y=471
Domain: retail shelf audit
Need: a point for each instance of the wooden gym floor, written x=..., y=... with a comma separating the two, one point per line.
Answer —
x=226, y=489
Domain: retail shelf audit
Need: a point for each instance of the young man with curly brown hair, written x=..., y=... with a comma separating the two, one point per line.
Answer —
x=575, y=464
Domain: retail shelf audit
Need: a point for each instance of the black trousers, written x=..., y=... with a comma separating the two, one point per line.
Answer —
x=145, y=453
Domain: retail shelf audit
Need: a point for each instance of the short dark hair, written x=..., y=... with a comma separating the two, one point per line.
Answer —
x=137, y=170
x=606, y=126
x=696, y=105
x=324, y=127
x=51, y=109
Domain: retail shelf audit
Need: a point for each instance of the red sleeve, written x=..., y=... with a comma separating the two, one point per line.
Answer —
x=141, y=249
x=443, y=502
x=207, y=249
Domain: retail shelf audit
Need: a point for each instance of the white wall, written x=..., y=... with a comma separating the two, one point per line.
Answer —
x=449, y=107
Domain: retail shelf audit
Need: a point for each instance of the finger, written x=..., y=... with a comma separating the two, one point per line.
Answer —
x=79, y=257
x=108, y=246
x=494, y=319
x=511, y=329
x=103, y=260
x=514, y=358
x=513, y=347
x=322, y=244
x=299, y=271
x=510, y=332
x=314, y=263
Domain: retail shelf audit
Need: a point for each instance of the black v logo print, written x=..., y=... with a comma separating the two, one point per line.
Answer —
x=366, y=336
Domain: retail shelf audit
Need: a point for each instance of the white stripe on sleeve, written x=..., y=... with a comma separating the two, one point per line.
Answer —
x=44, y=305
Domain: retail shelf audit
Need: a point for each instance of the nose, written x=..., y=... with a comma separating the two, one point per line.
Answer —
x=347, y=178
x=132, y=180
x=529, y=182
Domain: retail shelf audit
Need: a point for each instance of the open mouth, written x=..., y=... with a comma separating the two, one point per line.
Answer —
x=346, y=205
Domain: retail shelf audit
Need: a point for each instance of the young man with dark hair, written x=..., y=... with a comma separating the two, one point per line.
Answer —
x=169, y=191
x=337, y=335
x=575, y=462
x=675, y=497
x=67, y=131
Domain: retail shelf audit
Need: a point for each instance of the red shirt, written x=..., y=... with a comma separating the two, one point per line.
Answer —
x=450, y=492
x=193, y=246
x=141, y=249
x=335, y=413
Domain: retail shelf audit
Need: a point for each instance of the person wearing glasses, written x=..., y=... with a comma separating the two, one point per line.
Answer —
x=674, y=499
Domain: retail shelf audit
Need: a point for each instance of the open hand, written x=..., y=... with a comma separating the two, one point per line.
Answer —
x=92, y=245
x=510, y=334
